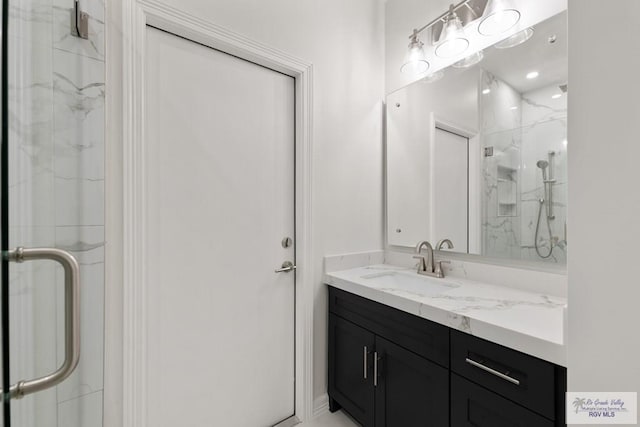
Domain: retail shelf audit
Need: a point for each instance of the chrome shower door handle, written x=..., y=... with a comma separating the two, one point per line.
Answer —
x=287, y=266
x=71, y=319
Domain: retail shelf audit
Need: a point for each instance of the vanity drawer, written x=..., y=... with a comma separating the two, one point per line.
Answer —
x=474, y=406
x=423, y=337
x=526, y=380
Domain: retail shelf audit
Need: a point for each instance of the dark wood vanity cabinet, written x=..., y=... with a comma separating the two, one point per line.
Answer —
x=388, y=368
x=350, y=380
x=411, y=391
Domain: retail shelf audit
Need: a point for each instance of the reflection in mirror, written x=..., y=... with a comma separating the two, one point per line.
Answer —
x=480, y=155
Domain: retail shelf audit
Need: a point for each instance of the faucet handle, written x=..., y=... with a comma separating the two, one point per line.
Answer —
x=438, y=268
x=423, y=262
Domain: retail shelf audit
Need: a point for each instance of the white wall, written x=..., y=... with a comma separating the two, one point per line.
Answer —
x=345, y=42
x=604, y=200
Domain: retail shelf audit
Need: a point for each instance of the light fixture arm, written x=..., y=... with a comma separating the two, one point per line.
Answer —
x=452, y=9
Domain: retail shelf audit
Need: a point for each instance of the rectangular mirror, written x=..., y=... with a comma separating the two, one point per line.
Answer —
x=478, y=155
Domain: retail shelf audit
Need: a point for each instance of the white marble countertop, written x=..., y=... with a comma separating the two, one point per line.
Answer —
x=525, y=321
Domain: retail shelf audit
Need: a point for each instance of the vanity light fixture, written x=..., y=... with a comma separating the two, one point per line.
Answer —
x=533, y=75
x=449, y=39
x=415, y=61
x=515, y=40
x=470, y=60
x=433, y=77
x=446, y=34
x=498, y=17
x=453, y=40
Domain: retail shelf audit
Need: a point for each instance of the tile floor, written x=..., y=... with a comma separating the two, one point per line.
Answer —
x=338, y=419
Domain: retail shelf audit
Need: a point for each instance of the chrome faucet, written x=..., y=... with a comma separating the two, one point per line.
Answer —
x=442, y=242
x=427, y=266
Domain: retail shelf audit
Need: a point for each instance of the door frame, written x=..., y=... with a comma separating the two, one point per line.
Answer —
x=125, y=401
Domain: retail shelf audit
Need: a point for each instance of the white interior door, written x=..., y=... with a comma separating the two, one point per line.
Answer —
x=450, y=178
x=219, y=159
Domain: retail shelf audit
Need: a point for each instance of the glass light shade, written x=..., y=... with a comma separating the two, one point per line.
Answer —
x=415, y=62
x=453, y=39
x=433, y=77
x=498, y=17
x=516, y=39
x=470, y=60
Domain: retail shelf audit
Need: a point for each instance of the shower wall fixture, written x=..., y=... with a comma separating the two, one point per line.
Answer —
x=79, y=21
x=546, y=201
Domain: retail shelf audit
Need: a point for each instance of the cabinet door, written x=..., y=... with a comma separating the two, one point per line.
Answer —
x=411, y=391
x=475, y=406
x=350, y=370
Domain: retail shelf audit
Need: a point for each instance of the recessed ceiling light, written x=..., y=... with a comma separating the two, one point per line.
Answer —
x=513, y=108
x=556, y=96
x=486, y=91
x=565, y=142
x=533, y=75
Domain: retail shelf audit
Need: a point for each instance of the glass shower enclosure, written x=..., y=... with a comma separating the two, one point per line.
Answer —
x=52, y=213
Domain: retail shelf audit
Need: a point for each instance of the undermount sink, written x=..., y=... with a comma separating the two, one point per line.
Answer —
x=408, y=282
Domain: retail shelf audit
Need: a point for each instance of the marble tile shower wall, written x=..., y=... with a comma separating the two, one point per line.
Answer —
x=500, y=122
x=522, y=129
x=544, y=121
x=57, y=199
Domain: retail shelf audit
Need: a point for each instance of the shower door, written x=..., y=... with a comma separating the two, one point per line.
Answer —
x=52, y=216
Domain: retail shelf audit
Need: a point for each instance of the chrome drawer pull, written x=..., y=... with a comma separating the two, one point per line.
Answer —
x=492, y=371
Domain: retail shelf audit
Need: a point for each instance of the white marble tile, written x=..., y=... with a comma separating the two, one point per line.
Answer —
x=94, y=46
x=529, y=280
x=85, y=411
x=31, y=20
x=36, y=410
x=79, y=202
x=353, y=260
x=520, y=137
x=79, y=139
x=31, y=177
x=87, y=245
x=525, y=321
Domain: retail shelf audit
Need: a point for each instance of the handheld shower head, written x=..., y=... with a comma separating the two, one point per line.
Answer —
x=542, y=164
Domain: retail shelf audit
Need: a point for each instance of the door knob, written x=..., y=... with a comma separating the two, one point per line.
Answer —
x=287, y=266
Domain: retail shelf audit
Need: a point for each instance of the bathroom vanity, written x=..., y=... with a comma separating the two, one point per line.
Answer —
x=414, y=351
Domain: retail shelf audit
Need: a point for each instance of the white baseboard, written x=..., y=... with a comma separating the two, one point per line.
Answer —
x=320, y=405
